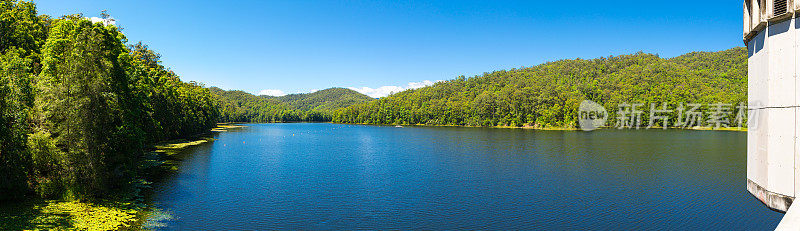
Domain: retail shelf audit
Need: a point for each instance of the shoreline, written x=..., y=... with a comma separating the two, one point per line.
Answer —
x=44, y=214
x=732, y=129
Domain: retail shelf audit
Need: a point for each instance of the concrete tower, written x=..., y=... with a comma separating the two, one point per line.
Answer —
x=772, y=36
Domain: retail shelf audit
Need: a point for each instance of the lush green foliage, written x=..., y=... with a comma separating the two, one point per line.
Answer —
x=239, y=106
x=171, y=108
x=548, y=95
x=16, y=101
x=22, y=34
x=79, y=108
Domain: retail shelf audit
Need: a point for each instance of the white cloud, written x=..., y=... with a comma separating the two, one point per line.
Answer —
x=424, y=83
x=377, y=92
x=386, y=90
x=272, y=92
x=108, y=21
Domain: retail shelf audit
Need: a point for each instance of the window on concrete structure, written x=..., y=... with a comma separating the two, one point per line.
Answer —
x=779, y=7
x=762, y=9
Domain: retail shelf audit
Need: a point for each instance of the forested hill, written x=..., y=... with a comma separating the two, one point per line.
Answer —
x=325, y=100
x=319, y=106
x=548, y=95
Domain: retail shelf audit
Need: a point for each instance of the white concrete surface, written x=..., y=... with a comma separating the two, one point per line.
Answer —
x=773, y=147
x=791, y=220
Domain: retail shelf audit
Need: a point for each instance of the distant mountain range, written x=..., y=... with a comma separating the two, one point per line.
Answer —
x=325, y=100
x=240, y=106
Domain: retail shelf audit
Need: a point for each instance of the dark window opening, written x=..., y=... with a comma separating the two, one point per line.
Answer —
x=780, y=7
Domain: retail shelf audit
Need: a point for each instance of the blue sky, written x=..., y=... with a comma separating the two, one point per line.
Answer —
x=299, y=46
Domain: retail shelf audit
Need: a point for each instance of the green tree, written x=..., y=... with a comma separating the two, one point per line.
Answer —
x=82, y=89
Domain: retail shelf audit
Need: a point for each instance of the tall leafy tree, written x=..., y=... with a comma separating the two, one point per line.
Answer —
x=82, y=90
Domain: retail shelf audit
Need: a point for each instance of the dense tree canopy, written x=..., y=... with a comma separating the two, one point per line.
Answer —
x=21, y=36
x=79, y=107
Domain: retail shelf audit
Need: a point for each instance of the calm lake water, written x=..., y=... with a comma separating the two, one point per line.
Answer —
x=330, y=176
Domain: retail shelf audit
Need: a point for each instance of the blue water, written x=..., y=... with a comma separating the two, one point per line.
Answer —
x=342, y=177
